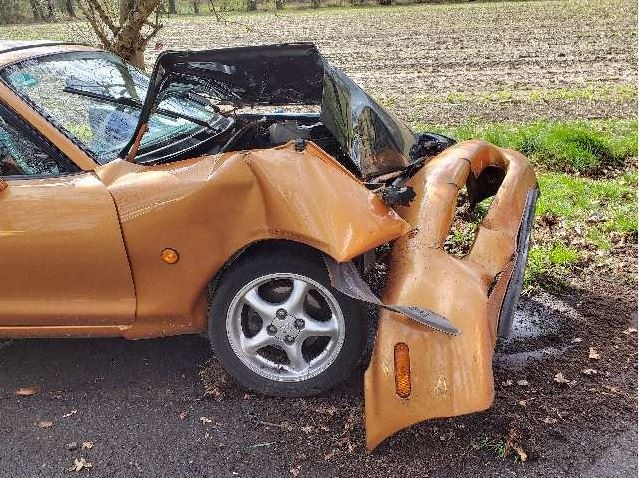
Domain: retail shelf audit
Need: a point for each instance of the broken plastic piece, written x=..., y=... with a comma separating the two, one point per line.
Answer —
x=345, y=278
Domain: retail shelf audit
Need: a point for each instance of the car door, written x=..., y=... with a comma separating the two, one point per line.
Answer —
x=62, y=257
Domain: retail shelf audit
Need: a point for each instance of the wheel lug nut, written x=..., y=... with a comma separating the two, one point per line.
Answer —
x=288, y=339
x=299, y=324
x=281, y=313
x=271, y=329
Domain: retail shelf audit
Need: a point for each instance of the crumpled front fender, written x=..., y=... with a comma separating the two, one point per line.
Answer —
x=209, y=208
x=449, y=375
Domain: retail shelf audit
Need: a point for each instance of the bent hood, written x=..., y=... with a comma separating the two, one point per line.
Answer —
x=288, y=74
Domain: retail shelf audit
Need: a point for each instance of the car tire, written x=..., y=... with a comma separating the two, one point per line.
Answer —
x=267, y=316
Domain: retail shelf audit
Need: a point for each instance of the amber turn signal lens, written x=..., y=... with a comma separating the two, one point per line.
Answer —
x=402, y=370
x=170, y=256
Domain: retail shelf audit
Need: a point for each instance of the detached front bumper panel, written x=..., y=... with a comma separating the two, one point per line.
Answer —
x=417, y=373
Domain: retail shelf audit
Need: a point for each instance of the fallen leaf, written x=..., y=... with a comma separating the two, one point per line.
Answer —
x=522, y=403
x=577, y=340
x=522, y=383
x=589, y=371
x=307, y=429
x=630, y=330
x=593, y=354
x=507, y=383
x=87, y=445
x=79, y=464
x=72, y=446
x=549, y=420
x=45, y=424
x=612, y=389
x=26, y=391
x=559, y=378
x=183, y=415
x=67, y=415
x=523, y=456
x=330, y=454
x=295, y=471
x=205, y=420
x=512, y=443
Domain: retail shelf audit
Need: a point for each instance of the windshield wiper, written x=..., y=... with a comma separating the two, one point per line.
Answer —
x=133, y=103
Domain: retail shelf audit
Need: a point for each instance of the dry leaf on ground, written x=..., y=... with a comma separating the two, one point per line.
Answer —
x=79, y=464
x=593, y=354
x=45, y=424
x=26, y=391
x=87, y=445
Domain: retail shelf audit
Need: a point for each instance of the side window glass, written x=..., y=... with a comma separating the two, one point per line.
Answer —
x=20, y=156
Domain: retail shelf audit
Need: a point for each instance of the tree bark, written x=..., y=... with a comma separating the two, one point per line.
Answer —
x=37, y=11
x=172, y=8
x=70, y=9
x=251, y=5
x=49, y=10
x=196, y=7
x=279, y=4
x=315, y=3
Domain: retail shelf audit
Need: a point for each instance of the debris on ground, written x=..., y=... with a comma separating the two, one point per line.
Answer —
x=26, y=391
x=79, y=464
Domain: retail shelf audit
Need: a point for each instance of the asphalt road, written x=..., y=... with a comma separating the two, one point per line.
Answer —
x=142, y=405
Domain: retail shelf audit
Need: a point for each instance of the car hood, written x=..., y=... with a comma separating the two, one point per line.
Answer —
x=288, y=74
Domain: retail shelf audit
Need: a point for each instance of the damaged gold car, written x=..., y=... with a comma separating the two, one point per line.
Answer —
x=242, y=193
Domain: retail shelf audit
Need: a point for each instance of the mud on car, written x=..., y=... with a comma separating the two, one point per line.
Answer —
x=242, y=193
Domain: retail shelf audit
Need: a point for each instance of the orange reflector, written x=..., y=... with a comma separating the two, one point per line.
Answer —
x=170, y=256
x=402, y=370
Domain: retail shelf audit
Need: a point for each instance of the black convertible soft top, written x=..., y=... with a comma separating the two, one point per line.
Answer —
x=288, y=74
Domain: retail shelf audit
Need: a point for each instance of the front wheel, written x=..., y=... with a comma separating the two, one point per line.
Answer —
x=279, y=327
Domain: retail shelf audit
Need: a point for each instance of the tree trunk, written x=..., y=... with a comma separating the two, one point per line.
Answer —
x=385, y=2
x=70, y=9
x=37, y=11
x=196, y=7
x=126, y=6
x=279, y=4
x=50, y=9
x=172, y=9
x=315, y=3
x=251, y=5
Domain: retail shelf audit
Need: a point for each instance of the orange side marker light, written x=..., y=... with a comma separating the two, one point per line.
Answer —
x=402, y=370
x=170, y=256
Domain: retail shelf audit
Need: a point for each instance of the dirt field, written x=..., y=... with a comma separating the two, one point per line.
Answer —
x=448, y=64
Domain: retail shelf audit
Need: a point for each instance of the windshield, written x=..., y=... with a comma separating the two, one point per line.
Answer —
x=96, y=98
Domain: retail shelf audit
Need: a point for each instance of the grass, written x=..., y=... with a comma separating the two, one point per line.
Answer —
x=584, y=147
x=590, y=212
x=617, y=92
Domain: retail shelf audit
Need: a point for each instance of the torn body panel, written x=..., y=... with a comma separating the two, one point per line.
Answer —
x=217, y=205
x=449, y=375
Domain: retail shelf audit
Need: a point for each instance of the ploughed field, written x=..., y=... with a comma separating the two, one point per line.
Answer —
x=447, y=63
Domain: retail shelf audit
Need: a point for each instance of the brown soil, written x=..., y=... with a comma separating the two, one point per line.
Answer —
x=404, y=54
